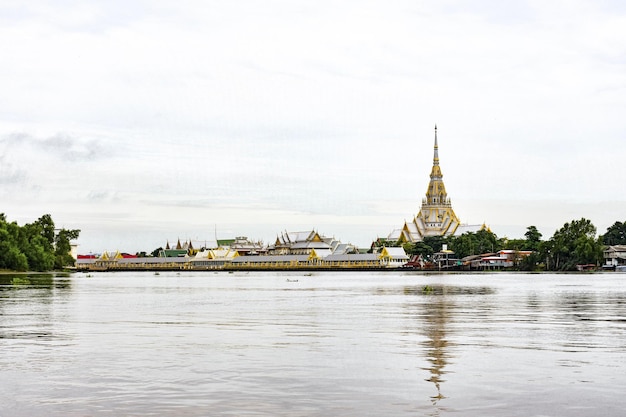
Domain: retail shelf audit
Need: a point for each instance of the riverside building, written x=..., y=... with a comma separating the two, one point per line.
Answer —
x=291, y=250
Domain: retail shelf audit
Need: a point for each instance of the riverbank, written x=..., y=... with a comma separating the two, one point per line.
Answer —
x=8, y=272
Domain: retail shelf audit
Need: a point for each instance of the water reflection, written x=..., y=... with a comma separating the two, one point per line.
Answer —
x=29, y=281
x=28, y=306
x=437, y=313
x=437, y=307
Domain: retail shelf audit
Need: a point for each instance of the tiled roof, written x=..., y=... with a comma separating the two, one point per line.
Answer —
x=352, y=257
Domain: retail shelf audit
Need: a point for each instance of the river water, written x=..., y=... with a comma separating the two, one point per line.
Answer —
x=320, y=344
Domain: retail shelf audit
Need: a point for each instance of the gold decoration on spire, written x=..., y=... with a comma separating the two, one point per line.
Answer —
x=436, y=216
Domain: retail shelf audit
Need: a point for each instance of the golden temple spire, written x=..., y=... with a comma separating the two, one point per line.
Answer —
x=436, y=157
x=436, y=216
x=435, y=173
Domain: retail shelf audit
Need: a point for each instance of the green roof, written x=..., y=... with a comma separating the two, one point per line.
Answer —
x=172, y=253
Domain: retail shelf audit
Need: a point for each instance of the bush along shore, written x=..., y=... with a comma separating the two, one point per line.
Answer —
x=36, y=246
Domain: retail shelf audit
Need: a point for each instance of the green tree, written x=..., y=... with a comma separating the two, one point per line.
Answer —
x=39, y=258
x=34, y=246
x=155, y=253
x=34, y=243
x=574, y=244
x=615, y=234
x=418, y=248
x=11, y=257
x=63, y=247
x=475, y=243
x=45, y=226
x=532, y=262
x=464, y=244
x=435, y=243
x=533, y=238
x=14, y=259
x=514, y=244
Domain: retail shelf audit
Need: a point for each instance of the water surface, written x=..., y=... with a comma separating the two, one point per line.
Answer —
x=321, y=344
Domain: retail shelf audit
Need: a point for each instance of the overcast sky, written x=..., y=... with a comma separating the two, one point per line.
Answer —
x=140, y=122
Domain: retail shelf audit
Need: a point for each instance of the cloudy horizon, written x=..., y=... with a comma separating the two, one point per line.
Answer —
x=144, y=122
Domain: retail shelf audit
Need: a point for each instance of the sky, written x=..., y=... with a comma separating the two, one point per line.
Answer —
x=142, y=122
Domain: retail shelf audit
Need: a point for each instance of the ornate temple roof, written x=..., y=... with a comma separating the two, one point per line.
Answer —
x=436, y=216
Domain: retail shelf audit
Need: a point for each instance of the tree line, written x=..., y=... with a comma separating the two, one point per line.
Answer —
x=573, y=244
x=36, y=246
x=39, y=246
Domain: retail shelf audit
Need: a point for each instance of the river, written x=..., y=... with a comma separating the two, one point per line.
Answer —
x=313, y=344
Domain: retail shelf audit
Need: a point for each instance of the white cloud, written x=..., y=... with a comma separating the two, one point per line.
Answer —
x=238, y=113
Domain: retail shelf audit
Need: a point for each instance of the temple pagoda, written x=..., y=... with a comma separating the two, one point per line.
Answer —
x=436, y=216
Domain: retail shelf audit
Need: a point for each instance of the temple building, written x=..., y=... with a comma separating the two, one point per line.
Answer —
x=436, y=216
x=303, y=243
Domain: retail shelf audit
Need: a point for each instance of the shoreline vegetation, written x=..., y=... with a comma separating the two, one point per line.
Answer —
x=574, y=247
x=39, y=247
x=59, y=272
x=305, y=272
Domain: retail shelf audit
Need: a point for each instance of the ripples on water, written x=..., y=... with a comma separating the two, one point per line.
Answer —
x=327, y=344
